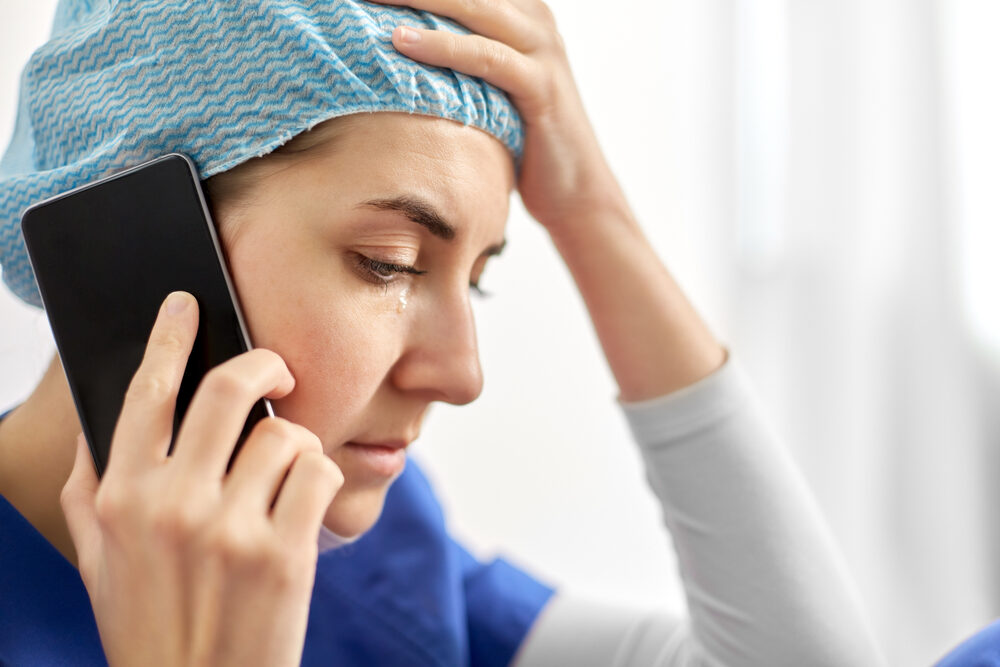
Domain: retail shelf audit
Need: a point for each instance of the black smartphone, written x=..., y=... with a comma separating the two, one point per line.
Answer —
x=105, y=256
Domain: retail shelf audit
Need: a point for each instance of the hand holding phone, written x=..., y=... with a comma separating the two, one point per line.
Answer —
x=185, y=564
x=104, y=256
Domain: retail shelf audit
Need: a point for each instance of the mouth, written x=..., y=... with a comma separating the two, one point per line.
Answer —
x=383, y=459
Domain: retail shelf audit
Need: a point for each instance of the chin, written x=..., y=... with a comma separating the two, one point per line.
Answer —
x=355, y=510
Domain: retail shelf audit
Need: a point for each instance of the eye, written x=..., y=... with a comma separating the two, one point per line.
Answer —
x=383, y=273
x=478, y=291
x=476, y=278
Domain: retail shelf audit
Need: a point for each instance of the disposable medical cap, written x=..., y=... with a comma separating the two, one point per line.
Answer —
x=223, y=81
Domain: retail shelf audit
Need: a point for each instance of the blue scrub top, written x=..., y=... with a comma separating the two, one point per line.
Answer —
x=980, y=650
x=404, y=594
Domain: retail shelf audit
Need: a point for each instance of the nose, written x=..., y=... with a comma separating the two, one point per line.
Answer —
x=441, y=356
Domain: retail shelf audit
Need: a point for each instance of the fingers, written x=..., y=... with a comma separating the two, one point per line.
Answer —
x=311, y=486
x=503, y=66
x=263, y=462
x=496, y=19
x=77, y=500
x=219, y=410
x=145, y=426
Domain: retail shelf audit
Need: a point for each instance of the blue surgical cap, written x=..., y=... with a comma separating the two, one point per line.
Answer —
x=223, y=81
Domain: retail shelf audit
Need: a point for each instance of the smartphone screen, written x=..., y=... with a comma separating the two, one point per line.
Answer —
x=105, y=256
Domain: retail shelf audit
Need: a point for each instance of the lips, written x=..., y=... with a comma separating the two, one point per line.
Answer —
x=389, y=444
x=381, y=459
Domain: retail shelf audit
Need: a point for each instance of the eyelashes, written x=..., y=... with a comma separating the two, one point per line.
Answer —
x=382, y=274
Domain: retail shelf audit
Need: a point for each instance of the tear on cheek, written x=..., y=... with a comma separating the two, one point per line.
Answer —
x=403, y=301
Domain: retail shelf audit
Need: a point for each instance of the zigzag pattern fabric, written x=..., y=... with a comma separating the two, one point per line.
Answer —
x=223, y=81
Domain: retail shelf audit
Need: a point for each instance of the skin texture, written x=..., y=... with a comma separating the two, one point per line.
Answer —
x=370, y=350
x=182, y=561
x=653, y=339
x=344, y=357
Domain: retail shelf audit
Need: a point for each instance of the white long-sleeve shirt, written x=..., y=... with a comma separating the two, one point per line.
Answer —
x=764, y=581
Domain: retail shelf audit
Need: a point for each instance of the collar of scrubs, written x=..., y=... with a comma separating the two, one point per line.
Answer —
x=329, y=540
x=405, y=593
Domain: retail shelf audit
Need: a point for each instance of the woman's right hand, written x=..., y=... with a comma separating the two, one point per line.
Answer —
x=184, y=563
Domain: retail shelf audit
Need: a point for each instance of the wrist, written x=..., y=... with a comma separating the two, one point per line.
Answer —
x=570, y=181
x=594, y=220
x=654, y=340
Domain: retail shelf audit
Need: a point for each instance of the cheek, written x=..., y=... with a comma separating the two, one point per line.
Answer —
x=336, y=376
x=333, y=335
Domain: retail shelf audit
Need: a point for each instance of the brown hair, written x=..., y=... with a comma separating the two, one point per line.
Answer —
x=231, y=192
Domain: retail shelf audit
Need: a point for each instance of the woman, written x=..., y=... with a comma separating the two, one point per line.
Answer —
x=353, y=249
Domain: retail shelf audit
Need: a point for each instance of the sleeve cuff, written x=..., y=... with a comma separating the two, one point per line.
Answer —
x=661, y=420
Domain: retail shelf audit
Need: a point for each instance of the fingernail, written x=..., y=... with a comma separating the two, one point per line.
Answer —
x=176, y=303
x=408, y=36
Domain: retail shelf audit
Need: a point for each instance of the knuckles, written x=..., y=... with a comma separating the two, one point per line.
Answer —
x=68, y=495
x=549, y=36
x=329, y=471
x=239, y=546
x=320, y=472
x=224, y=384
x=229, y=381
x=152, y=387
x=189, y=527
x=545, y=13
x=289, y=434
x=177, y=524
x=235, y=546
x=494, y=60
x=267, y=356
x=277, y=428
x=171, y=343
x=111, y=504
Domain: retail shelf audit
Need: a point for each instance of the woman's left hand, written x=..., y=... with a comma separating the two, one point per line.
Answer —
x=517, y=48
x=653, y=339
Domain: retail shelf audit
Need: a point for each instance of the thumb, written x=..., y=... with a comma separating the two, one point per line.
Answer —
x=77, y=500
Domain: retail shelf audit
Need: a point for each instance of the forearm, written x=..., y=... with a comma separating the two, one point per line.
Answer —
x=652, y=337
x=764, y=582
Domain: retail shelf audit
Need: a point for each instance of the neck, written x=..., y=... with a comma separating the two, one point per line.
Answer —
x=37, y=447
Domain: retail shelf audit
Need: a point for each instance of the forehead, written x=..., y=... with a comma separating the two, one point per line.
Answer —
x=462, y=173
x=463, y=170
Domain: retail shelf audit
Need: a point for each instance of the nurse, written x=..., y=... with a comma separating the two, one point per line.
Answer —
x=360, y=158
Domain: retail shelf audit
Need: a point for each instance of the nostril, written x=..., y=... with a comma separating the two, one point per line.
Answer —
x=472, y=383
x=440, y=358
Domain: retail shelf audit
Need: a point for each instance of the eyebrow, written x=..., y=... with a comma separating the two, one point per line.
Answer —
x=416, y=209
x=419, y=210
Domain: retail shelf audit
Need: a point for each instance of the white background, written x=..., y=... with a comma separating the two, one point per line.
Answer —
x=821, y=178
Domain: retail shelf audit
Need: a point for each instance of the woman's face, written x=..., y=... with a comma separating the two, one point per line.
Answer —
x=325, y=259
